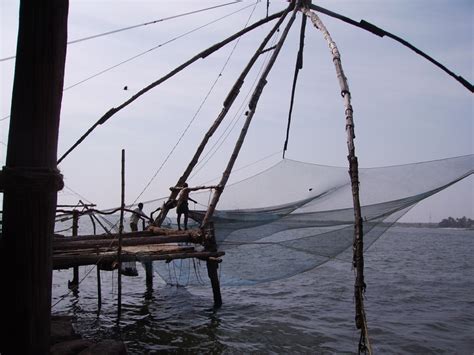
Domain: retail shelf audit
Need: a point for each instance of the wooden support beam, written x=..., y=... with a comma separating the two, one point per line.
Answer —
x=102, y=243
x=65, y=262
x=152, y=232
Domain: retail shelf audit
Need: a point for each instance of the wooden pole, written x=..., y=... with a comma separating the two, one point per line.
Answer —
x=358, y=245
x=74, y=284
x=228, y=102
x=119, y=251
x=99, y=289
x=212, y=265
x=30, y=180
x=200, y=55
x=252, y=106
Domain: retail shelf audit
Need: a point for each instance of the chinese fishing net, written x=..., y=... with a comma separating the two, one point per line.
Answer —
x=295, y=216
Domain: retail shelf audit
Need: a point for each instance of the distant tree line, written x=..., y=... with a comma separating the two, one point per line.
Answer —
x=451, y=222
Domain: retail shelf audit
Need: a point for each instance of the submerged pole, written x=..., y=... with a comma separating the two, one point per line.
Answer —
x=74, y=284
x=30, y=180
x=119, y=251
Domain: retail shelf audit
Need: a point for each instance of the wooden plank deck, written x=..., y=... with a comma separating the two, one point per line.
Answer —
x=139, y=246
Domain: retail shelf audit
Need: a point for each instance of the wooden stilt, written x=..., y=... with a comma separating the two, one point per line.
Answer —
x=30, y=179
x=148, y=273
x=74, y=284
x=212, y=267
x=99, y=289
x=119, y=252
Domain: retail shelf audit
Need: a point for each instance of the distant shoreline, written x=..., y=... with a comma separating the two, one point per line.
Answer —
x=424, y=225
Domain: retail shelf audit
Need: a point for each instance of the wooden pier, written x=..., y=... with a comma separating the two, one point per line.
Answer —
x=152, y=244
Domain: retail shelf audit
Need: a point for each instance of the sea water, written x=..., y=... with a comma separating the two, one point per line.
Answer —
x=419, y=300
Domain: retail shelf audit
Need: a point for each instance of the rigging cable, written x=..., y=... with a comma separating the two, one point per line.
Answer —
x=140, y=25
x=145, y=52
x=298, y=67
x=381, y=33
x=199, y=108
x=155, y=47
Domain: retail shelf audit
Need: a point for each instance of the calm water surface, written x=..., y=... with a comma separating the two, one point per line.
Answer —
x=419, y=300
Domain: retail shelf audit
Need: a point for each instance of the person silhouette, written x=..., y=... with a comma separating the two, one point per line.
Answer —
x=182, y=207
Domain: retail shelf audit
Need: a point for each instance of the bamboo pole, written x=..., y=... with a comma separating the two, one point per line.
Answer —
x=30, y=179
x=358, y=245
x=252, y=106
x=228, y=102
x=119, y=251
x=99, y=289
x=200, y=55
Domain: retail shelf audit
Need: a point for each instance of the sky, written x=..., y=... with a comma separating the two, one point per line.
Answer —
x=405, y=109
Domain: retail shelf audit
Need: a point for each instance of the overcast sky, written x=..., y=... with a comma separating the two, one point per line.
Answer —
x=405, y=109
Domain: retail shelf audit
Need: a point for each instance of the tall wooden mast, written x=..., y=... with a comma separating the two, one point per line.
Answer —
x=30, y=180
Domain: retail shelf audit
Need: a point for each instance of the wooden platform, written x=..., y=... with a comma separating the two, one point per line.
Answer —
x=158, y=244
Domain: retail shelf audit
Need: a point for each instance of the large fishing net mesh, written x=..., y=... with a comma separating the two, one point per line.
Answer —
x=295, y=216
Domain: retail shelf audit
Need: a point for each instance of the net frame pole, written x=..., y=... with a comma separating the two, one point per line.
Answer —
x=228, y=102
x=252, y=106
x=200, y=55
x=358, y=244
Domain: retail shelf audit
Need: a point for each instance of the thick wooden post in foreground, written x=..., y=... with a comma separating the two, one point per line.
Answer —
x=30, y=180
